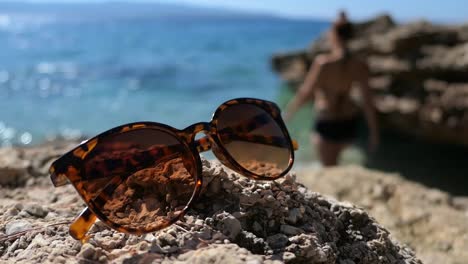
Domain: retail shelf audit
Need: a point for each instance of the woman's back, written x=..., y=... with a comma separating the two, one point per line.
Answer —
x=336, y=78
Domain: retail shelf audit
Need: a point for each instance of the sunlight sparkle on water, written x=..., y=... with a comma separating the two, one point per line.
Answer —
x=26, y=138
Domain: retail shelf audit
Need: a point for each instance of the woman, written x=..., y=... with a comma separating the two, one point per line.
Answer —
x=328, y=84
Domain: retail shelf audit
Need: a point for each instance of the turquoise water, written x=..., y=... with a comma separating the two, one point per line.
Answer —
x=79, y=70
x=81, y=76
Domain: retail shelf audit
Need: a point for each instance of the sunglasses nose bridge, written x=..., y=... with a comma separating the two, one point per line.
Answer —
x=194, y=129
x=191, y=132
x=201, y=144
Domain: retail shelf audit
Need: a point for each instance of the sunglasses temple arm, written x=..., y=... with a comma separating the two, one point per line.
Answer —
x=82, y=224
x=295, y=144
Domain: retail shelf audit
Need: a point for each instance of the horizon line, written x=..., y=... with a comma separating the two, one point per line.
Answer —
x=239, y=11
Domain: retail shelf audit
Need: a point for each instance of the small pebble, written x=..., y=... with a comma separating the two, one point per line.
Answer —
x=36, y=210
x=17, y=226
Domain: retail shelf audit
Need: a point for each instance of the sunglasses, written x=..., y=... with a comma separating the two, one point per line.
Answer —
x=142, y=177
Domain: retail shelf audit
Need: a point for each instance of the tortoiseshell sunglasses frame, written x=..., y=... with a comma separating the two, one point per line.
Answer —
x=68, y=167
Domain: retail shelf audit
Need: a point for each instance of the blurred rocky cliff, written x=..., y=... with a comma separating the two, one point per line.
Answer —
x=419, y=75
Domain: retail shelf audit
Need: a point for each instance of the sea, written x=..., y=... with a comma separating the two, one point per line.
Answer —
x=77, y=70
x=71, y=71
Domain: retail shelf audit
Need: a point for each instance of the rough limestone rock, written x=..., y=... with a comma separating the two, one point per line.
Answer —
x=432, y=222
x=13, y=169
x=237, y=220
x=404, y=59
x=17, y=165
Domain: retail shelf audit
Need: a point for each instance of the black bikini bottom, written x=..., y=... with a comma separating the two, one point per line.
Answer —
x=340, y=130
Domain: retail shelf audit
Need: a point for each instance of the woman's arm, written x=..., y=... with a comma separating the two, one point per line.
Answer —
x=369, y=109
x=306, y=90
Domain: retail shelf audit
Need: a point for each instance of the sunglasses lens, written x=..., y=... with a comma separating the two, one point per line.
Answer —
x=254, y=139
x=139, y=180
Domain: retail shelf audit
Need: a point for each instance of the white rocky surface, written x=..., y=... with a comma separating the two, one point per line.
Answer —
x=236, y=220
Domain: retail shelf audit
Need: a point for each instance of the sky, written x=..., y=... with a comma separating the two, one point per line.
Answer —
x=440, y=10
x=403, y=10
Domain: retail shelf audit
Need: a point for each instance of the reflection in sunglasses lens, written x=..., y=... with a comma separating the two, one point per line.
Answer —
x=138, y=179
x=254, y=139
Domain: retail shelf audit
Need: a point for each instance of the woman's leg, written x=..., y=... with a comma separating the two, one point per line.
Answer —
x=328, y=151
